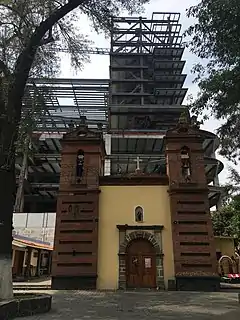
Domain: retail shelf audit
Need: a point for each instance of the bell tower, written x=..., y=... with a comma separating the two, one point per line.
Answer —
x=193, y=241
x=74, y=264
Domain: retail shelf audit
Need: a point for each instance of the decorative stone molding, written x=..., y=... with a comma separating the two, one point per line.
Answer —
x=124, y=241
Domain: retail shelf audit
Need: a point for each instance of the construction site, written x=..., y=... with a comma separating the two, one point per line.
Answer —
x=141, y=100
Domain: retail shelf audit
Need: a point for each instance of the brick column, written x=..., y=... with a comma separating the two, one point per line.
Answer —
x=193, y=241
x=75, y=256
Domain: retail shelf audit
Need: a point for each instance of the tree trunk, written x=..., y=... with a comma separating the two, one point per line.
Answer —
x=19, y=203
x=10, y=116
x=7, y=193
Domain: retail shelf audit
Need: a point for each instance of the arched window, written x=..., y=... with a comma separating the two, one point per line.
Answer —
x=185, y=162
x=80, y=164
x=138, y=214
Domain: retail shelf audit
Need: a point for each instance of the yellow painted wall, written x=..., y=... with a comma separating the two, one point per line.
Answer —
x=225, y=246
x=117, y=204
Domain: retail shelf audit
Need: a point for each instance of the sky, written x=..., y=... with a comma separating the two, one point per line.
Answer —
x=98, y=68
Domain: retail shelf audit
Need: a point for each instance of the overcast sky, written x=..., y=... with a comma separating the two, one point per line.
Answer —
x=99, y=66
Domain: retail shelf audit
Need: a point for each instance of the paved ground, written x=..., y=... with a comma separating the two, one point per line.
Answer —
x=86, y=305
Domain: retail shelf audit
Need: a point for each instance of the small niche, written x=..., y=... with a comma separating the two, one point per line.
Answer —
x=138, y=214
x=80, y=165
x=185, y=163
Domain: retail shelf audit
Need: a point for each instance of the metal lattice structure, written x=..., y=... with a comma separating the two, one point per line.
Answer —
x=64, y=101
x=141, y=100
x=146, y=72
x=146, y=87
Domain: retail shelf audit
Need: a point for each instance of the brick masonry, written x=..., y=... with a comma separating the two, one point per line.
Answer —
x=125, y=238
x=74, y=263
x=193, y=240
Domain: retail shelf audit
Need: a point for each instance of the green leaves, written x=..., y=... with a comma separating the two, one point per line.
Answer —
x=19, y=19
x=216, y=37
x=226, y=221
x=216, y=33
x=30, y=33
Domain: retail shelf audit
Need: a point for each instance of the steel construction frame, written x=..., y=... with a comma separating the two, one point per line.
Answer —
x=145, y=63
x=137, y=46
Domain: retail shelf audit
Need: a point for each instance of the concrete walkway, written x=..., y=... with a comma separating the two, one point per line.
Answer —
x=88, y=305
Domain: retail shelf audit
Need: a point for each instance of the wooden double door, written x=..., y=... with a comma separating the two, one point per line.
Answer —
x=141, y=264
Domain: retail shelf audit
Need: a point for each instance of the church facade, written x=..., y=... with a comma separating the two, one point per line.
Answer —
x=139, y=230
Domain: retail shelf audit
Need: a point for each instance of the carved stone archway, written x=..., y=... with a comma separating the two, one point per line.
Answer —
x=152, y=238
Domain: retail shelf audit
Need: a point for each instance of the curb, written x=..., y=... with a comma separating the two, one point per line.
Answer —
x=32, y=288
x=25, y=305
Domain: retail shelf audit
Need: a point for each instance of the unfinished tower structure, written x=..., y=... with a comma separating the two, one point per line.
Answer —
x=146, y=93
x=135, y=107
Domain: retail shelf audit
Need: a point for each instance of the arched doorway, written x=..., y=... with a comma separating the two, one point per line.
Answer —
x=140, y=264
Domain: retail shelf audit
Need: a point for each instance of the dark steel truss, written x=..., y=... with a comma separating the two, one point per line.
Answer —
x=61, y=102
x=90, y=50
x=144, y=94
x=145, y=66
x=141, y=35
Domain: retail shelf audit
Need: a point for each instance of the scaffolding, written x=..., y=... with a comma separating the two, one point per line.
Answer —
x=141, y=100
x=143, y=36
x=146, y=89
x=146, y=80
x=64, y=102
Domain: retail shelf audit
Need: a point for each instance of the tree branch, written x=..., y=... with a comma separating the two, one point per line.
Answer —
x=4, y=69
x=26, y=58
x=8, y=7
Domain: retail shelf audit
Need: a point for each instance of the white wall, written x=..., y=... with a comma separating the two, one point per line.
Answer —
x=40, y=226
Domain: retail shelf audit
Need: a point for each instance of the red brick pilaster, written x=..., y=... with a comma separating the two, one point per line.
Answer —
x=193, y=240
x=74, y=263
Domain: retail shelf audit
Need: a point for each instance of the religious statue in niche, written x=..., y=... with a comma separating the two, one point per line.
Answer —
x=186, y=165
x=139, y=214
x=80, y=165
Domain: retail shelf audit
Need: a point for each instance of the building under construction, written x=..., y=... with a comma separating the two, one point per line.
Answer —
x=134, y=108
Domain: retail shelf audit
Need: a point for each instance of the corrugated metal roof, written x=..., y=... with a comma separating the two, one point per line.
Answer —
x=18, y=244
x=33, y=244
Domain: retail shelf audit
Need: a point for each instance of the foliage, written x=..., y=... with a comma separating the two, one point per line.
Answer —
x=27, y=27
x=226, y=221
x=215, y=39
x=20, y=19
x=31, y=115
